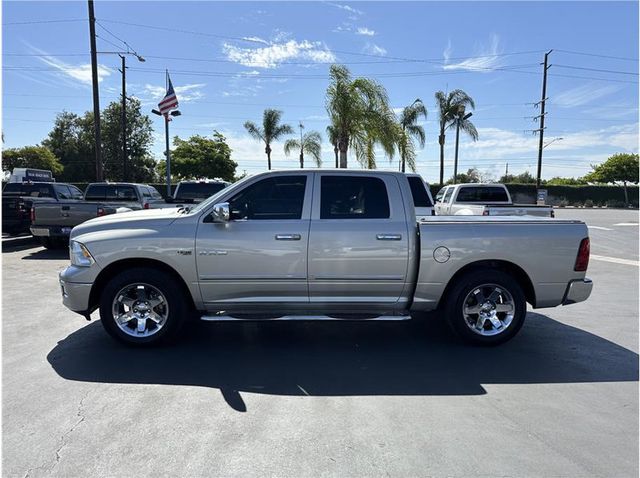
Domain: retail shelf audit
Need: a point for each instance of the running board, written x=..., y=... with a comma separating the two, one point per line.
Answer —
x=230, y=318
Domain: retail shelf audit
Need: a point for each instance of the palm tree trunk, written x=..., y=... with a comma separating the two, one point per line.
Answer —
x=335, y=151
x=268, y=151
x=441, y=141
x=342, y=146
x=301, y=159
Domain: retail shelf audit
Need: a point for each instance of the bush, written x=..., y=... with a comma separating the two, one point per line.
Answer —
x=588, y=203
x=614, y=203
x=563, y=202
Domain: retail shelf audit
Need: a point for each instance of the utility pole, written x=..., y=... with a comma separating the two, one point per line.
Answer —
x=124, y=119
x=96, y=97
x=543, y=102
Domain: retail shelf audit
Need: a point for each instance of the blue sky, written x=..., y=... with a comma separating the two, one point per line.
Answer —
x=229, y=61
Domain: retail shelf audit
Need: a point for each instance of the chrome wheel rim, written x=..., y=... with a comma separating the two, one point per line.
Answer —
x=140, y=310
x=488, y=309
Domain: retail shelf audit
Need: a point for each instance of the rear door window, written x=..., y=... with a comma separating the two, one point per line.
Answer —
x=62, y=191
x=419, y=192
x=447, y=195
x=353, y=197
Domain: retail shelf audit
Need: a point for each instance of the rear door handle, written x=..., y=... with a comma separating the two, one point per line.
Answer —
x=389, y=237
x=288, y=237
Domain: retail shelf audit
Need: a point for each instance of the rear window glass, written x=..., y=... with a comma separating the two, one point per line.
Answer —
x=198, y=190
x=419, y=192
x=482, y=194
x=352, y=197
x=440, y=194
x=111, y=192
x=33, y=190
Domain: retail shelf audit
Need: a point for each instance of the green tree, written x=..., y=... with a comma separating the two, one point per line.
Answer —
x=201, y=157
x=37, y=157
x=558, y=181
x=359, y=111
x=522, y=178
x=332, y=133
x=270, y=131
x=141, y=167
x=309, y=143
x=473, y=175
x=71, y=140
x=619, y=168
x=410, y=130
x=449, y=107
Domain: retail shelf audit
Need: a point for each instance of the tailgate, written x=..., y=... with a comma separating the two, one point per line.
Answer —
x=516, y=210
x=65, y=214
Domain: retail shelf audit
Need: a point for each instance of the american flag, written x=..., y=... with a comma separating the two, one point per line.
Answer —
x=170, y=100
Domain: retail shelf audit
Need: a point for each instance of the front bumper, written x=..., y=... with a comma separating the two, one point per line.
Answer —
x=75, y=293
x=578, y=291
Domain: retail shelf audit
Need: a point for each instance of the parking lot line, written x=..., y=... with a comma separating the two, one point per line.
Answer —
x=615, y=260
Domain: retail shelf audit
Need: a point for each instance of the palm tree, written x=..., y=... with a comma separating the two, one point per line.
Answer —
x=448, y=106
x=333, y=139
x=309, y=143
x=359, y=112
x=271, y=130
x=410, y=129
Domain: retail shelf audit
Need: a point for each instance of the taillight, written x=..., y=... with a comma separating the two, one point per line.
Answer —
x=32, y=214
x=146, y=205
x=101, y=211
x=582, y=261
x=485, y=212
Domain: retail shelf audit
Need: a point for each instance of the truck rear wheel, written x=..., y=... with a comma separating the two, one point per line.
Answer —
x=143, y=306
x=486, y=307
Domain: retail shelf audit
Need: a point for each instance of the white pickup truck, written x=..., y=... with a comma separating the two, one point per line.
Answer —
x=473, y=199
x=320, y=245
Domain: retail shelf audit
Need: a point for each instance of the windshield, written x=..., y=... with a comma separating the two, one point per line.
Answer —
x=213, y=199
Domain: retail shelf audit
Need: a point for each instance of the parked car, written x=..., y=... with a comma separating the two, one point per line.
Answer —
x=19, y=197
x=132, y=195
x=320, y=245
x=474, y=199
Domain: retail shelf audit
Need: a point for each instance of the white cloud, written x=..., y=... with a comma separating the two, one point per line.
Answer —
x=365, y=31
x=185, y=93
x=485, y=58
x=581, y=95
x=81, y=73
x=374, y=49
x=346, y=8
x=274, y=54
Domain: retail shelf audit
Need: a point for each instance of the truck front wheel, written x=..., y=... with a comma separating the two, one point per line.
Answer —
x=486, y=307
x=143, y=306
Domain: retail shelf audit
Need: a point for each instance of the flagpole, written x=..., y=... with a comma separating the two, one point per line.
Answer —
x=166, y=134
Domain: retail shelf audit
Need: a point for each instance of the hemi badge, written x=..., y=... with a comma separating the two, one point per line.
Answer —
x=184, y=252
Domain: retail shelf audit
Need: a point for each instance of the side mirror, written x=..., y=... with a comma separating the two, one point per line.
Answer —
x=220, y=212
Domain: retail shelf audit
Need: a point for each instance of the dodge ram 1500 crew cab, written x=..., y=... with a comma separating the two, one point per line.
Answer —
x=320, y=245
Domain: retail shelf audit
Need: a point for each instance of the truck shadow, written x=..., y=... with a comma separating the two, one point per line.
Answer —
x=48, y=254
x=18, y=243
x=342, y=359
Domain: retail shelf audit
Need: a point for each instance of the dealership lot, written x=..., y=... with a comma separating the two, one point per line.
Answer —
x=336, y=399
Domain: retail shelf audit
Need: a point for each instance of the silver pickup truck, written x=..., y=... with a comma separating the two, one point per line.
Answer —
x=320, y=245
x=473, y=199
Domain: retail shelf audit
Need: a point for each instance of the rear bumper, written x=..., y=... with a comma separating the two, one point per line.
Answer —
x=577, y=291
x=50, y=231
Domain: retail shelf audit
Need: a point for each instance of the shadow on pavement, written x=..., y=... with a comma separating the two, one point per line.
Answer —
x=18, y=243
x=55, y=254
x=338, y=359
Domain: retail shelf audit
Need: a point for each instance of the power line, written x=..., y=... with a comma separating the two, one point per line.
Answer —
x=572, y=67
x=597, y=55
x=104, y=40
x=593, y=78
x=34, y=22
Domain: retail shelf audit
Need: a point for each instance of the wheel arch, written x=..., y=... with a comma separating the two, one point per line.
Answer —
x=116, y=267
x=523, y=279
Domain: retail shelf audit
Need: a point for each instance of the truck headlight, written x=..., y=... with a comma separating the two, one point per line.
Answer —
x=80, y=255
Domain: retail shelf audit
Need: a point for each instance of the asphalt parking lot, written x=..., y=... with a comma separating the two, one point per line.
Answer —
x=330, y=399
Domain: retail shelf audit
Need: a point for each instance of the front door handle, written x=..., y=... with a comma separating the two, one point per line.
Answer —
x=389, y=237
x=288, y=237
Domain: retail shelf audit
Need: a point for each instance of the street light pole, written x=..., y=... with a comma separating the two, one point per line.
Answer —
x=124, y=118
x=168, y=154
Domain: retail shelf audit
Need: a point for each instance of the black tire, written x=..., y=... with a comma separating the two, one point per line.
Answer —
x=473, y=280
x=166, y=284
x=53, y=242
x=45, y=242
